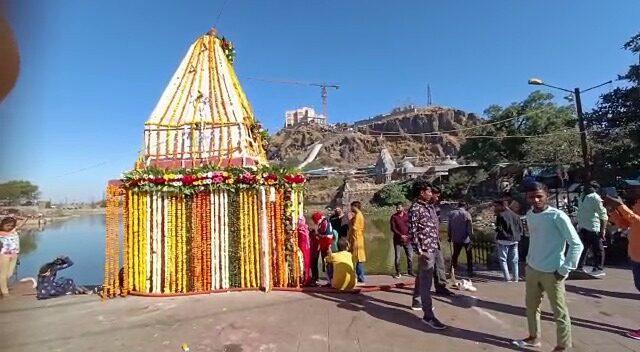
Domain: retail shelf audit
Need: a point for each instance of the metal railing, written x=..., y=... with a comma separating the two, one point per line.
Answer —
x=483, y=252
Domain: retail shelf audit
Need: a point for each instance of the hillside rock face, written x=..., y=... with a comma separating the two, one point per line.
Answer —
x=360, y=144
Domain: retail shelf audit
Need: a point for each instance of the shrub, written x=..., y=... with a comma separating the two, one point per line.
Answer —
x=393, y=193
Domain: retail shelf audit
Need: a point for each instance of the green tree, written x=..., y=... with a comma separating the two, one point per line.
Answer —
x=538, y=114
x=392, y=193
x=461, y=182
x=615, y=121
x=18, y=191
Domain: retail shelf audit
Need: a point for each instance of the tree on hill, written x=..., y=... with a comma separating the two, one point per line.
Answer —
x=614, y=123
x=16, y=192
x=393, y=193
x=537, y=115
x=460, y=183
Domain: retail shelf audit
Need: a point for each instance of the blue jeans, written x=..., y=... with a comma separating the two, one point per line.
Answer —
x=360, y=271
x=635, y=267
x=508, y=256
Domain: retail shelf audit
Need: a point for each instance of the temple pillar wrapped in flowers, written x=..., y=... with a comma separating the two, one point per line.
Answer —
x=202, y=211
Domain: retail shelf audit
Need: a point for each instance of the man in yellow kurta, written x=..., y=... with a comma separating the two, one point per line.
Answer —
x=356, y=239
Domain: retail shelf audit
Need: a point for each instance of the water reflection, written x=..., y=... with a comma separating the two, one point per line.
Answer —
x=81, y=238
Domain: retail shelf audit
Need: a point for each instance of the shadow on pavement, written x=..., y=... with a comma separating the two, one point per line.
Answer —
x=596, y=293
x=468, y=302
x=399, y=314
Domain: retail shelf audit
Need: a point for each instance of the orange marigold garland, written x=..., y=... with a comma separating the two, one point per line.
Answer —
x=212, y=235
x=125, y=243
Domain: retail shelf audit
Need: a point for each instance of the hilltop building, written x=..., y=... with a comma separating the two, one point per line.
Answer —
x=304, y=115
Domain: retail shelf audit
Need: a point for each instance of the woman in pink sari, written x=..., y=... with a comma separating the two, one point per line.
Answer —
x=304, y=243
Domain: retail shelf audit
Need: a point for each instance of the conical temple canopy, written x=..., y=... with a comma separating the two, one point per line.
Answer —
x=203, y=117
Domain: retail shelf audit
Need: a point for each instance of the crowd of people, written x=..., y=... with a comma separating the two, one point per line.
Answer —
x=335, y=244
x=555, y=247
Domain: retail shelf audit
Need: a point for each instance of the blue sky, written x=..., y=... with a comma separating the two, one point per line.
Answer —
x=92, y=71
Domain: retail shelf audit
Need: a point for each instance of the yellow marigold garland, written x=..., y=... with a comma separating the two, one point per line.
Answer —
x=256, y=236
x=248, y=208
x=172, y=243
x=111, y=285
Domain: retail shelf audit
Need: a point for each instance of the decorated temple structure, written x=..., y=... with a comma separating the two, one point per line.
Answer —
x=202, y=211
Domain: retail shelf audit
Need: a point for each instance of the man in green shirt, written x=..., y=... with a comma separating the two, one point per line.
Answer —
x=592, y=220
x=550, y=232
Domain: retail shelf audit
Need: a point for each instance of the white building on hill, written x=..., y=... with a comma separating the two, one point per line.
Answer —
x=304, y=115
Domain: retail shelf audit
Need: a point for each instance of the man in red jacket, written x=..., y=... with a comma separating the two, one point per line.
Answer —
x=400, y=228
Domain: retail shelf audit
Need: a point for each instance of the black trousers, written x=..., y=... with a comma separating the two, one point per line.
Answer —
x=591, y=239
x=457, y=248
x=315, y=256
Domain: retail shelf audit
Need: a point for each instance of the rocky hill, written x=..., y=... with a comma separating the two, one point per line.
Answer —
x=360, y=144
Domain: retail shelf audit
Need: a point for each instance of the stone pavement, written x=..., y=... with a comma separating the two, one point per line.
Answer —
x=487, y=320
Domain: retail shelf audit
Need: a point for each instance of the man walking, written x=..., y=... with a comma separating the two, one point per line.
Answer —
x=509, y=231
x=550, y=232
x=460, y=230
x=424, y=230
x=592, y=220
x=401, y=241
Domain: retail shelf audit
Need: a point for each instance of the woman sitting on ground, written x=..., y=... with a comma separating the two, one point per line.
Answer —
x=48, y=286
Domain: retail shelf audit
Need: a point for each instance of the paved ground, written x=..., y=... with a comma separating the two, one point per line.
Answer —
x=602, y=311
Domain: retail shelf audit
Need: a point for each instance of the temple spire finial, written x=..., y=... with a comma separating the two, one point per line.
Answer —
x=213, y=32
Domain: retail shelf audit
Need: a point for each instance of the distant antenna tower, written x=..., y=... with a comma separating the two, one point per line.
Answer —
x=429, y=102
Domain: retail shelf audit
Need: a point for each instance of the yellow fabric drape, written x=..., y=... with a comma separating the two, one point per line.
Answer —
x=356, y=237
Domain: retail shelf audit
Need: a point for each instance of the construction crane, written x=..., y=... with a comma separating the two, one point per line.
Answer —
x=323, y=88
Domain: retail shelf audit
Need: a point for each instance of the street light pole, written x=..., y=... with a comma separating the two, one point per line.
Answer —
x=583, y=133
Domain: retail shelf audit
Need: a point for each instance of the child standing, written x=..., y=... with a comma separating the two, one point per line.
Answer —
x=550, y=231
x=10, y=250
x=340, y=267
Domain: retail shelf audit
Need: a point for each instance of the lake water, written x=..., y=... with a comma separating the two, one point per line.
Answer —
x=82, y=239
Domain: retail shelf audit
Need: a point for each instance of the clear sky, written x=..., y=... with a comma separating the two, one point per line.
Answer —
x=92, y=71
